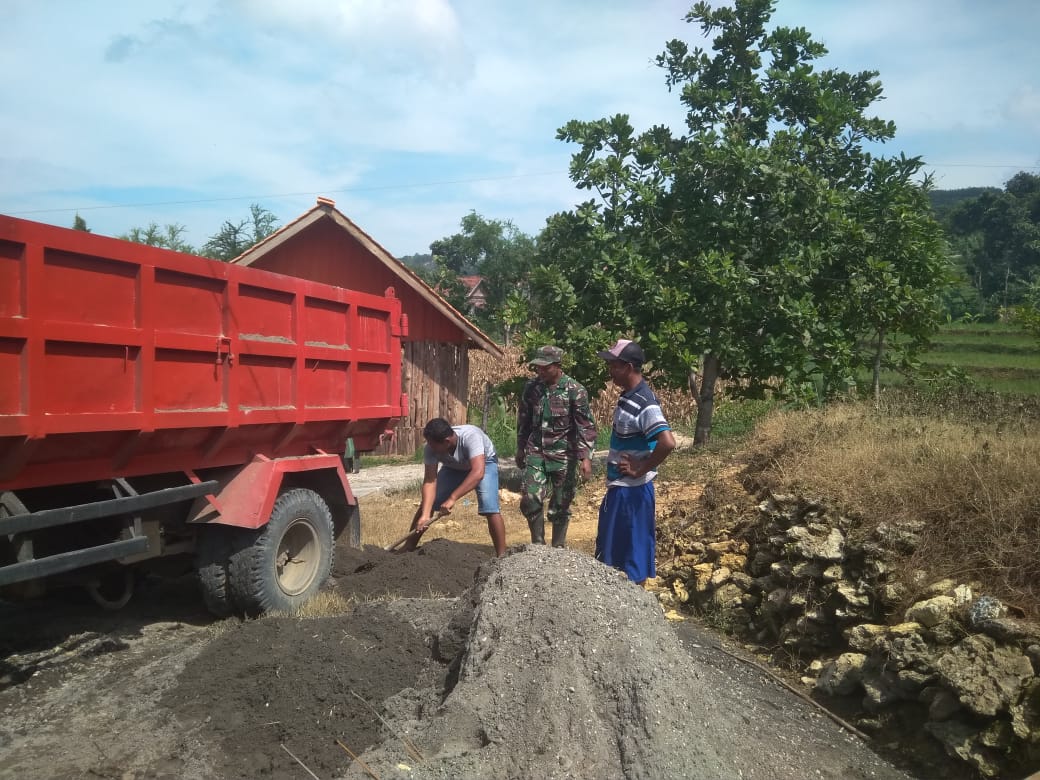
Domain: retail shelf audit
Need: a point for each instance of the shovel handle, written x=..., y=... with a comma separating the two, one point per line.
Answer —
x=410, y=534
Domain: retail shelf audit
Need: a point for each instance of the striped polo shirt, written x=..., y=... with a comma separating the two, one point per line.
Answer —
x=638, y=420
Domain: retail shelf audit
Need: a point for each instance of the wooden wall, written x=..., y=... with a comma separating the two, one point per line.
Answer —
x=436, y=377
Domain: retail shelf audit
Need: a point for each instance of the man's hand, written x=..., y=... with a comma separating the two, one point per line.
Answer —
x=585, y=466
x=423, y=523
x=446, y=505
x=630, y=468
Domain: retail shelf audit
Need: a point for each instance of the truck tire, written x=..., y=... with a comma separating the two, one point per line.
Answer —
x=112, y=589
x=213, y=549
x=284, y=563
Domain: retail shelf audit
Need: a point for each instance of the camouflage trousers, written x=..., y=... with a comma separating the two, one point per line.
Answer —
x=553, y=480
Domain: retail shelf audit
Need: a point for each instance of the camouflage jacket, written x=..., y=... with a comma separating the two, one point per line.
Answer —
x=555, y=422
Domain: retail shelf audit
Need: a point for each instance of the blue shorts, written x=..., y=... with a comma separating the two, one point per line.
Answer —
x=487, y=488
x=626, y=536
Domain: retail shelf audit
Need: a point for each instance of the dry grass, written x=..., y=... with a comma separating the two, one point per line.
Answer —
x=974, y=490
x=332, y=603
x=327, y=603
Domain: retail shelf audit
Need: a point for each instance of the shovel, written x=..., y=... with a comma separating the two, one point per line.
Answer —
x=410, y=534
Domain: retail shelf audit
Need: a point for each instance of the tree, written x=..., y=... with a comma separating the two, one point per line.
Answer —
x=944, y=201
x=168, y=237
x=763, y=244
x=419, y=262
x=998, y=233
x=1028, y=312
x=899, y=285
x=80, y=224
x=234, y=238
x=493, y=249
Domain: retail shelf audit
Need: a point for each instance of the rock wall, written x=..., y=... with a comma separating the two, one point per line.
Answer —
x=956, y=665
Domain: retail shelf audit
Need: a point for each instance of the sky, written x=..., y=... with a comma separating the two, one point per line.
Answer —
x=410, y=114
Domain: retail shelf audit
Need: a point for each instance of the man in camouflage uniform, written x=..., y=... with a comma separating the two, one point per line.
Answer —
x=555, y=437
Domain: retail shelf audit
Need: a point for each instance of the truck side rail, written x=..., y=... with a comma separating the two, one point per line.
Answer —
x=74, y=559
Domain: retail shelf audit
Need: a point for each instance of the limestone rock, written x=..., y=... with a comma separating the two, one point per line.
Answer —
x=962, y=740
x=827, y=547
x=890, y=593
x=719, y=576
x=729, y=597
x=702, y=577
x=1011, y=630
x=943, y=587
x=942, y=704
x=762, y=560
x=986, y=677
x=880, y=688
x=931, y=612
x=911, y=682
x=733, y=561
x=742, y=580
x=852, y=595
x=1033, y=651
x=841, y=676
x=962, y=594
x=1025, y=716
x=869, y=637
x=909, y=651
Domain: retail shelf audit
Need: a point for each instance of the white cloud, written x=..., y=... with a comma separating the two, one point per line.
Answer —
x=394, y=108
x=395, y=36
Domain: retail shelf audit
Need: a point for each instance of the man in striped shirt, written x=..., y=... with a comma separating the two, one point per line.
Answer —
x=640, y=440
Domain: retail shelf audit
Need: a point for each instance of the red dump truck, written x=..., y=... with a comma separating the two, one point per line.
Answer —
x=160, y=411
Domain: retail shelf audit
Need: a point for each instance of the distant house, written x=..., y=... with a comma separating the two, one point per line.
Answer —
x=476, y=296
x=325, y=246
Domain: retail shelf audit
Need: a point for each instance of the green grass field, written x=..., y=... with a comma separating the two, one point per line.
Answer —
x=997, y=357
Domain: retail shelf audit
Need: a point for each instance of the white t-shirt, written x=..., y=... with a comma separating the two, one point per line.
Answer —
x=472, y=442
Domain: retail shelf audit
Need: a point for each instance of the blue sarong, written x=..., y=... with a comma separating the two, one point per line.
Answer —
x=626, y=536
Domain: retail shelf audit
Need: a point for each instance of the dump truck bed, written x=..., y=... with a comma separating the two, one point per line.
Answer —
x=119, y=359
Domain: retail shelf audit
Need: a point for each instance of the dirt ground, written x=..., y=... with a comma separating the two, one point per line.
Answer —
x=449, y=664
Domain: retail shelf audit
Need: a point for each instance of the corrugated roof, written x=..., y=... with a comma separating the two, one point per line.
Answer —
x=326, y=209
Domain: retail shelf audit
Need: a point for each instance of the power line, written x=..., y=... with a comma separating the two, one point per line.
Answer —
x=284, y=194
x=416, y=185
x=979, y=165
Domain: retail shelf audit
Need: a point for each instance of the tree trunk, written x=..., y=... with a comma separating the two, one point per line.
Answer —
x=877, y=368
x=487, y=407
x=706, y=400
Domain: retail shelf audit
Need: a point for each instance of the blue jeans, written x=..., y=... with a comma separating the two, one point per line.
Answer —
x=487, y=488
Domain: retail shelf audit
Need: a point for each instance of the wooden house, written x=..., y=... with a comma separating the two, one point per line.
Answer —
x=325, y=246
x=476, y=296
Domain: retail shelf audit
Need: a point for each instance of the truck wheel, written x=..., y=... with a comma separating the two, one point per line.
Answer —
x=288, y=559
x=112, y=589
x=212, y=557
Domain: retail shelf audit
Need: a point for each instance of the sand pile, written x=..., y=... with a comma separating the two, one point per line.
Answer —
x=561, y=668
x=543, y=664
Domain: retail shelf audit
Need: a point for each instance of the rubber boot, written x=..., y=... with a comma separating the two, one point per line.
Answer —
x=537, y=526
x=559, y=532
